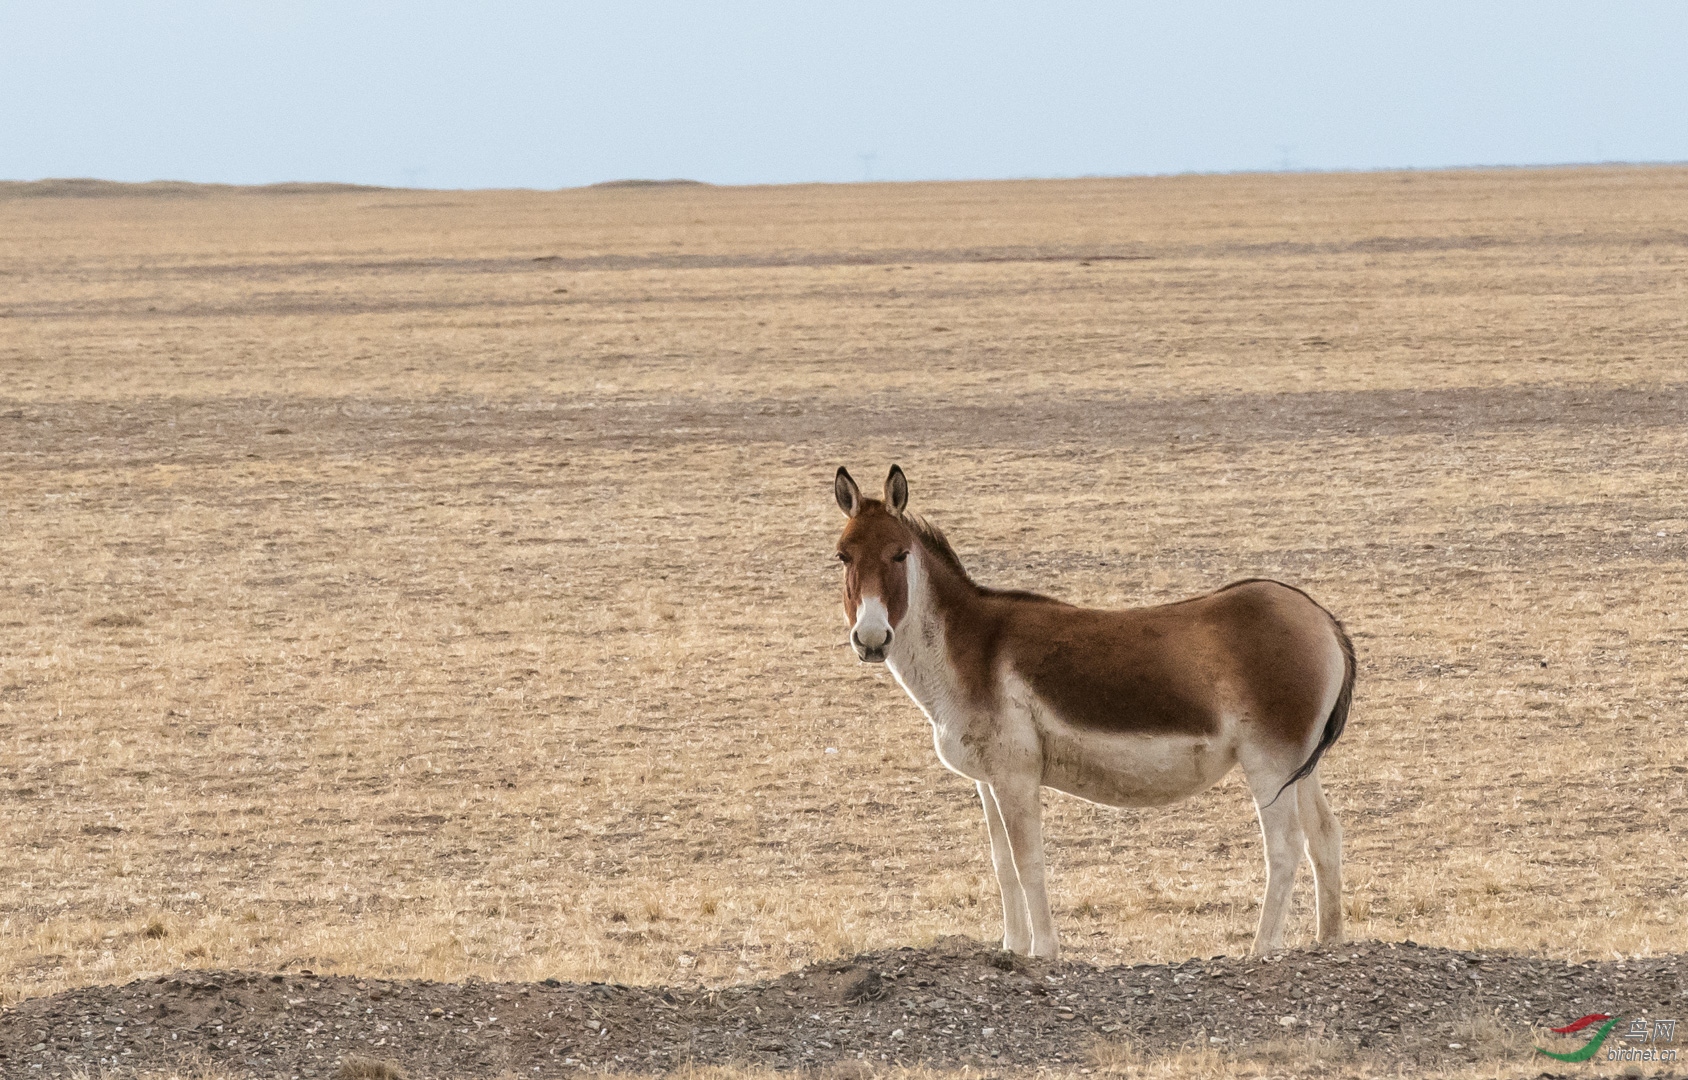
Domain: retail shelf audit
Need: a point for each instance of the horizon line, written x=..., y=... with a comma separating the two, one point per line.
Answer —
x=350, y=187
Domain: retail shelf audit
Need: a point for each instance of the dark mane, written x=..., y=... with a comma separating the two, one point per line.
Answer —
x=934, y=541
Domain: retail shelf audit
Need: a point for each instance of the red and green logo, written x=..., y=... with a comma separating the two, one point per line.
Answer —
x=1592, y=1046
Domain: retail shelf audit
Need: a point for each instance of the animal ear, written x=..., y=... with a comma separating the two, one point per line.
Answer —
x=849, y=496
x=896, y=490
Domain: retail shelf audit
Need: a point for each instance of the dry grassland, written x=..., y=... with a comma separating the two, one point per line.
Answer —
x=439, y=584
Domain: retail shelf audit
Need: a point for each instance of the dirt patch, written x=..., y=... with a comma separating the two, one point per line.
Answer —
x=46, y=438
x=958, y=1003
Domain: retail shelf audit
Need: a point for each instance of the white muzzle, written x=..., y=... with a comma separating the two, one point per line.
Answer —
x=871, y=636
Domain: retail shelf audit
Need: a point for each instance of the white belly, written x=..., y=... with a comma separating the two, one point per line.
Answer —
x=1132, y=770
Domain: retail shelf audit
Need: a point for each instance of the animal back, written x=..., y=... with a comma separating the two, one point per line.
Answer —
x=1125, y=672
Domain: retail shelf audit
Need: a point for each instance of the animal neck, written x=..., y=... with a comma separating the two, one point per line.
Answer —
x=919, y=658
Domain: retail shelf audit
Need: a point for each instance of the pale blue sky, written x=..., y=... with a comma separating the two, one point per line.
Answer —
x=527, y=94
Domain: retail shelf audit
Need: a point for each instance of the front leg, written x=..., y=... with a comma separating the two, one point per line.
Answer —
x=1016, y=925
x=1021, y=808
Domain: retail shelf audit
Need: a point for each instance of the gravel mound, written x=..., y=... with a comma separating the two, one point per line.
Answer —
x=957, y=1003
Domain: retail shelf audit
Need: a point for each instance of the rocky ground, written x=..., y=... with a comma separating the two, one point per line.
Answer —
x=959, y=1003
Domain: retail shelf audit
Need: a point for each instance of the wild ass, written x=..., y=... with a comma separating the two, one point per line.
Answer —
x=1134, y=707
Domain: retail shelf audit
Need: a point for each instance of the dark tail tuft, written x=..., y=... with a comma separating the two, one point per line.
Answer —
x=1338, y=718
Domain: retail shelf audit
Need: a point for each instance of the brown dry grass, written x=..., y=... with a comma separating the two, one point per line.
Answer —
x=372, y=604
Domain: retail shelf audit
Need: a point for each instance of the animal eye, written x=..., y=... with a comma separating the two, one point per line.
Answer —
x=899, y=556
x=843, y=558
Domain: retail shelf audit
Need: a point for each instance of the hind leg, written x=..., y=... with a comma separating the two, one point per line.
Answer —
x=1280, y=828
x=1324, y=851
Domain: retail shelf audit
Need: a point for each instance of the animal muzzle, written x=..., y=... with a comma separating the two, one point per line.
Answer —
x=870, y=651
x=871, y=636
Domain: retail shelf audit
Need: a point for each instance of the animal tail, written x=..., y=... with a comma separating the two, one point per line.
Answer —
x=1338, y=718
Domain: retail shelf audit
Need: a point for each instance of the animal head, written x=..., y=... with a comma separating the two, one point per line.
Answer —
x=874, y=549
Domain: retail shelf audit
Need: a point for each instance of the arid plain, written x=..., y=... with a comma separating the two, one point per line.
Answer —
x=438, y=584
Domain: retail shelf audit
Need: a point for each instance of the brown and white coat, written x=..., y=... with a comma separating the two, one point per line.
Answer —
x=1133, y=707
